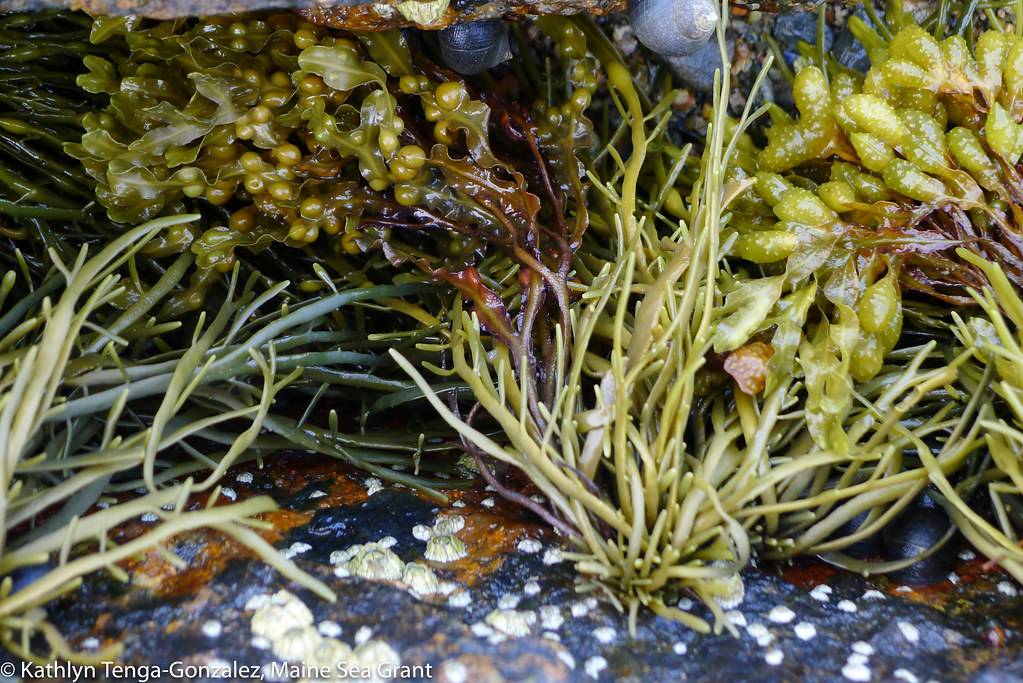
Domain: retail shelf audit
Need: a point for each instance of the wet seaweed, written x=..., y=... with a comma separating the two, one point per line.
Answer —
x=699, y=356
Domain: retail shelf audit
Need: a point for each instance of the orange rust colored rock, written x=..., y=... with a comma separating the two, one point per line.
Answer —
x=748, y=367
x=490, y=534
x=490, y=537
x=385, y=15
x=367, y=17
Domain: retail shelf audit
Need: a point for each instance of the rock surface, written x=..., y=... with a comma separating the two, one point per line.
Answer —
x=350, y=14
x=509, y=611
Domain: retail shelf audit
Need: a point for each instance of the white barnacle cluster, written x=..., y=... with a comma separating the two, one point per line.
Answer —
x=510, y=622
x=734, y=590
x=466, y=467
x=328, y=652
x=375, y=561
x=420, y=579
x=286, y=624
x=278, y=614
x=446, y=526
x=442, y=526
x=373, y=485
x=296, y=643
x=441, y=543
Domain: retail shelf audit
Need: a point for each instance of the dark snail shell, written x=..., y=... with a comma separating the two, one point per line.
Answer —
x=673, y=27
x=914, y=531
x=864, y=548
x=28, y=574
x=476, y=46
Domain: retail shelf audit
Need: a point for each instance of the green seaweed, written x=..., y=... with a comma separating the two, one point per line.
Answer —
x=698, y=356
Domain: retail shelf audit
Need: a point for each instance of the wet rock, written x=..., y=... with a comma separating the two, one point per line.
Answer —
x=789, y=29
x=850, y=52
x=805, y=621
x=1001, y=675
x=29, y=574
x=350, y=14
x=392, y=14
x=391, y=512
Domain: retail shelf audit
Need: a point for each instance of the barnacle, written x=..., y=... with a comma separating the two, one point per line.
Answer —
x=275, y=618
x=515, y=623
x=732, y=590
x=373, y=561
x=329, y=652
x=376, y=655
x=450, y=524
x=296, y=643
x=420, y=579
x=445, y=548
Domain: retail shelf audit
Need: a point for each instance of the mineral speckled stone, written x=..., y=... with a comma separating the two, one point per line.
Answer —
x=553, y=632
x=351, y=14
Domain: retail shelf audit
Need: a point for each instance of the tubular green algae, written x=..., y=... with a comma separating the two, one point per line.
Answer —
x=668, y=463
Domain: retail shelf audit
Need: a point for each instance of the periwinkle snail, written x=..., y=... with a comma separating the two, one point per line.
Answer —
x=673, y=27
x=914, y=531
x=28, y=574
x=476, y=46
x=923, y=524
x=863, y=548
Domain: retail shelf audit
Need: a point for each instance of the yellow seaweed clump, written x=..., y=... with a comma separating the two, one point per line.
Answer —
x=870, y=190
x=283, y=131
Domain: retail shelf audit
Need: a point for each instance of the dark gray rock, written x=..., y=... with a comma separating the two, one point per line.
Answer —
x=848, y=51
x=804, y=622
x=789, y=29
